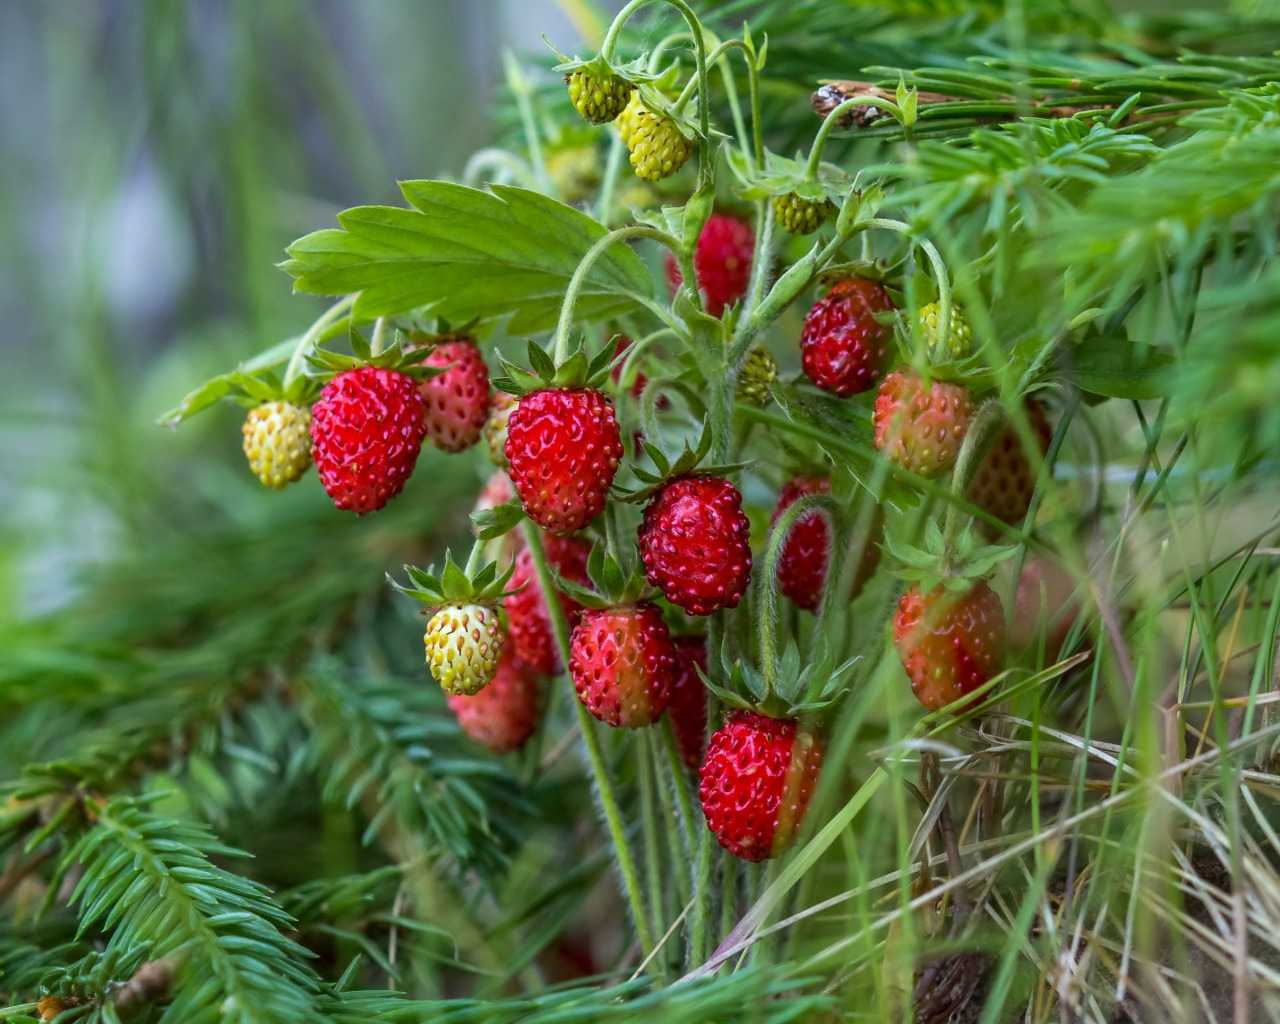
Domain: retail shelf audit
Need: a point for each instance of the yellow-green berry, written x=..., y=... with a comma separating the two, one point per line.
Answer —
x=959, y=339
x=658, y=149
x=627, y=119
x=801, y=216
x=575, y=172
x=758, y=371
x=464, y=643
x=277, y=442
x=501, y=406
x=598, y=98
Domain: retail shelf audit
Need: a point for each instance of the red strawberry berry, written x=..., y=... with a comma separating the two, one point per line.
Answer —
x=695, y=543
x=456, y=403
x=623, y=662
x=844, y=349
x=529, y=624
x=921, y=428
x=950, y=643
x=564, y=447
x=366, y=432
x=1006, y=478
x=504, y=714
x=802, y=562
x=721, y=262
x=688, y=707
x=756, y=783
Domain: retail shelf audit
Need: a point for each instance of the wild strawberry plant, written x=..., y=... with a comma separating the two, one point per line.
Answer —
x=881, y=502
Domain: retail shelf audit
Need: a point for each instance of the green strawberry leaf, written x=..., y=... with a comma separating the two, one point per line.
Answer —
x=467, y=253
x=1116, y=368
x=495, y=522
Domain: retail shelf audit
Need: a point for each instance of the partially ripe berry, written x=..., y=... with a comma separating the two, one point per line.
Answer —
x=277, y=442
x=694, y=542
x=921, y=427
x=1046, y=603
x=464, y=642
x=721, y=262
x=688, y=706
x=598, y=98
x=501, y=406
x=844, y=349
x=455, y=403
x=564, y=448
x=1005, y=479
x=532, y=638
x=504, y=714
x=366, y=433
x=950, y=642
x=756, y=783
x=623, y=662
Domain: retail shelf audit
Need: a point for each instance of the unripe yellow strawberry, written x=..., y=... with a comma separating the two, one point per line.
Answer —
x=464, y=643
x=658, y=149
x=959, y=339
x=575, y=172
x=277, y=442
x=627, y=119
x=501, y=406
x=801, y=216
x=598, y=98
x=758, y=372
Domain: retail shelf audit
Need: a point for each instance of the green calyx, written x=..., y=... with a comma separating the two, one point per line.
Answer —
x=799, y=200
x=456, y=585
x=324, y=364
x=615, y=581
x=249, y=390
x=798, y=690
x=575, y=371
x=687, y=463
x=955, y=565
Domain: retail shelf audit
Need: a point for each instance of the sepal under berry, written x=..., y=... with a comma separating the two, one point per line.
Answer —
x=954, y=566
x=666, y=469
x=801, y=203
x=598, y=89
x=613, y=581
x=324, y=364
x=455, y=585
x=800, y=687
x=576, y=371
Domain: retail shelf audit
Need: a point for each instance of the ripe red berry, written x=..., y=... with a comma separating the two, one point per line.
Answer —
x=504, y=714
x=688, y=707
x=695, y=543
x=950, y=642
x=756, y=783
x=529, y=624
x=721, y=262
x=802, y=562
x=921, y=428
x=564, y=448
x=622, y=662
x=366, y=432
x=456, y=403
x=1005, y=479
x=844, y=349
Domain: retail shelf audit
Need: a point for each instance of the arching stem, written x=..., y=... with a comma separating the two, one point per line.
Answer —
x=327, y=318
x=830, y=121
x=561, y=345
x=699, y=43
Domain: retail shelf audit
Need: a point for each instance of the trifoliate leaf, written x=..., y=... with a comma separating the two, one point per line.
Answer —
x=463, y=252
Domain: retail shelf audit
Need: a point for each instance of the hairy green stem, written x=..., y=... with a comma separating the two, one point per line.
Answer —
x=647, y=771
x=768, y=580
x=561, y=344
x=599, y=771
x=699, y=43
x=941, y=279
x=313, y=332
x=990, y=415
x=604, y=203
x=699, y=947
x=829, y=123
x=676, y=767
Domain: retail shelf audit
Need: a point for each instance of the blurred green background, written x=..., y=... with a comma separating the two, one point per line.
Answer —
x=155, y=159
